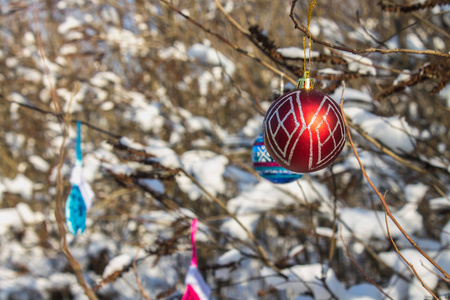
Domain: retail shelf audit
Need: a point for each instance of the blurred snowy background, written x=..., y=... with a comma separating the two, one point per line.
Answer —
x=161, y=99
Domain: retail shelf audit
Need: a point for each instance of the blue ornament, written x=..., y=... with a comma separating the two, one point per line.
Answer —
x=75, y=211
x=267, y=168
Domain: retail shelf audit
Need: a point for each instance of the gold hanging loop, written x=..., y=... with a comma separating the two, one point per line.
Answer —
x=307, y=83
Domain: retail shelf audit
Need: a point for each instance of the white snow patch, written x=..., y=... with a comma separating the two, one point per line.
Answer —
x=445, y=94
x=253, y=127
x=153, y=184
x=29, y=39
x=368, y=224
x=296, y=250
x=415, y=192
x=17, y=217
x=329, y=28
x=425, y=270
x=126, y=141
x=177, y=51
x=9, y=217
x=27, y=215
x=207, y=167
x=110, y=15
x=211, y=57
x=103, y=79
x=351, y=94
x=165, y=155
x=364, y=291
x=303, y=279
x=21, y=185
x=233, y=228
x=128, y=42
x=393, y=131
x=230, y=256
x=413, y=42
x=360, y=64
x=296, y=52
x=70, y=23
x=68, y=49
x=117, y=264
x=330, y=71
x=441, y=203
x=29, y=74
x=404, y=76
x=445, y=235
x=107, y=106
x=269, y=196
x=119, y=168
x=39, y=163
x=147, y=114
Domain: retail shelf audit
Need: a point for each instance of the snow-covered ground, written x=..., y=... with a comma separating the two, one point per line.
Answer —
x=173, y=111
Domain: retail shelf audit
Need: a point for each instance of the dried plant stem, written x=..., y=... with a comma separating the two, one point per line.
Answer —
x=383, y=200
x=249, y=36
x=389, y=6
x=349, y=255
x=358, y=51
x=386, y=150
x=62, y=153
x=232, y=21
x=431, y=25
x=138, y=282
x=404, y=258
x=60, y=115
x=229, y=43
x=40, y=46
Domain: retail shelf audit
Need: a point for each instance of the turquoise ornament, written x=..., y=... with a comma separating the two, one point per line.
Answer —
x=267, y=168
x=75, y=211
x=81, y=195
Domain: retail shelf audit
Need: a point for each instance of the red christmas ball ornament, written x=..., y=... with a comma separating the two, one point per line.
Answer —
x=304, y=130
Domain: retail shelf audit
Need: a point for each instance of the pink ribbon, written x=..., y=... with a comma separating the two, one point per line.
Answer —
x=196, y=287
x=194, y=227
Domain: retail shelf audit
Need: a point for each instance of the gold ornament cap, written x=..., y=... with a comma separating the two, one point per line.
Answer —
x=305, y=83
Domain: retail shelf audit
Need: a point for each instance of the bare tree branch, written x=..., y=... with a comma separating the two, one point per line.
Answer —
x=352, y=259
x=229, y=43
x=383, y=200
x=359, y=51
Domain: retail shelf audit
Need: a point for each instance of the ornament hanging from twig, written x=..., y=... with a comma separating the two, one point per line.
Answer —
x=81, y=195
x=304, y=130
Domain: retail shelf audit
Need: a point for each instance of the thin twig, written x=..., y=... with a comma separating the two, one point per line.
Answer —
x=228, y=42
x=40, y=45
x=383, y=200
x=406, y=8
x=404, y=258
x=59, y=181
x=368, y=249
x=335, y=215
x=323, y=279
x=358, y=51
x=232, y=21
x=137, y=276
x=233, y=216
x=384, y=149
x=61, y=115
x=435, y=273
x=349, y=255
x=431, y=25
